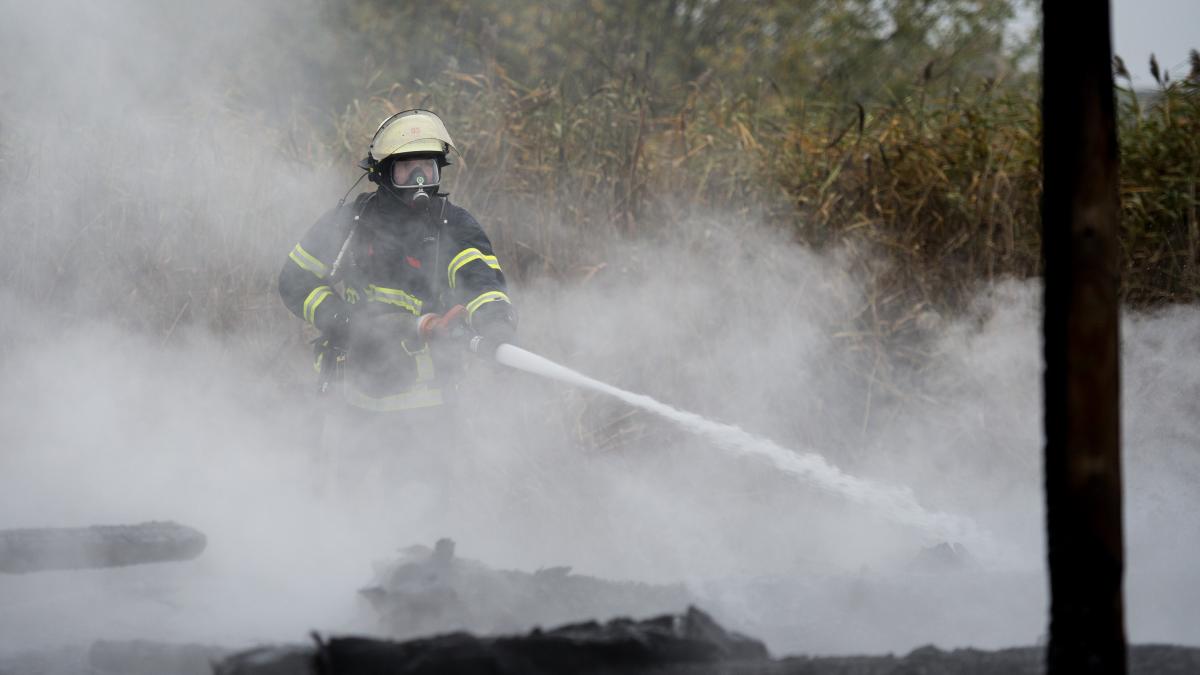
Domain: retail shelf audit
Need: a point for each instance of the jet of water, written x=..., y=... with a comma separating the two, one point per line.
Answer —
x=895, y=503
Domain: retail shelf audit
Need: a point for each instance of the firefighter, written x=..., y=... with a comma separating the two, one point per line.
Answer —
x=398, y=282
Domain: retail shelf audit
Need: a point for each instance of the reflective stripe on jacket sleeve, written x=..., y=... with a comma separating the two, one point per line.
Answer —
x=466, y=256
x=314, y=300
x=308, y=261
x=483, y=299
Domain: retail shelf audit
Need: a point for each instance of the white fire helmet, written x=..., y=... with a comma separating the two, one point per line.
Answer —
x=407, y=153
x=410, y=132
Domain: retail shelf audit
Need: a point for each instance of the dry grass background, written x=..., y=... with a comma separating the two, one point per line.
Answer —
x=930, y=199
x=927, y=195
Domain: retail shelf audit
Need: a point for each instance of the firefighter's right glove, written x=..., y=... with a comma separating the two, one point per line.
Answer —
x=496, y=321
x=440, y=326
x=494, y=324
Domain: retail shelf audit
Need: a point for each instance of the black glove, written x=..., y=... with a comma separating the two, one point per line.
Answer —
x=496, y=321
x=336, y=329
x=493, y=324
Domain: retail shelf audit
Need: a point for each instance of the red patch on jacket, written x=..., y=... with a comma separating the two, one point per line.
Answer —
x=413, y=261
x=370, y=249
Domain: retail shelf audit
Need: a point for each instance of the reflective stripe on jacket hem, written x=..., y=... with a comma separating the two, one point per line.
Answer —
x=420, y=397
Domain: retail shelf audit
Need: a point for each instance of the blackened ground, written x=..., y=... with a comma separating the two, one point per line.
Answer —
x=429, y=591
x=688, y=644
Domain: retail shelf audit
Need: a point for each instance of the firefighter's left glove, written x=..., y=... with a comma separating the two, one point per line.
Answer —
x=452, y=324
x=336, y=329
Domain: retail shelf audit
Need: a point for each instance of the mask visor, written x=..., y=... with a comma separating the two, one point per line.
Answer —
x=415, y=172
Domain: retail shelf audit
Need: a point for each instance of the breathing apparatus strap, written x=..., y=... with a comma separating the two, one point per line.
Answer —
x=430, y=275
x=360, y=204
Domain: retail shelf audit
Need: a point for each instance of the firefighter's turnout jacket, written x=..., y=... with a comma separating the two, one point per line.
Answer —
x=395, y=265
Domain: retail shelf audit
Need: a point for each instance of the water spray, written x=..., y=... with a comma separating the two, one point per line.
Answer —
x=894, y=503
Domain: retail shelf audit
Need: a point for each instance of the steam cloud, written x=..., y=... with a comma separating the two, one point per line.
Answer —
x=136, y=384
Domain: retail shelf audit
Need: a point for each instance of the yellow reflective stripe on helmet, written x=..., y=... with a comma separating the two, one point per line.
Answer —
x=465, y=257
x=308, y=262
x=483, y=299
x=421, y=397
x=394, y=296
x=314, y=300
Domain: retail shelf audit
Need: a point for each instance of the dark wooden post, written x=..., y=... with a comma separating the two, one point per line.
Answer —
x=1082, y=383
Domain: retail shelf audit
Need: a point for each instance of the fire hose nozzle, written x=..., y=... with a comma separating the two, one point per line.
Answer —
x=483, y=347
